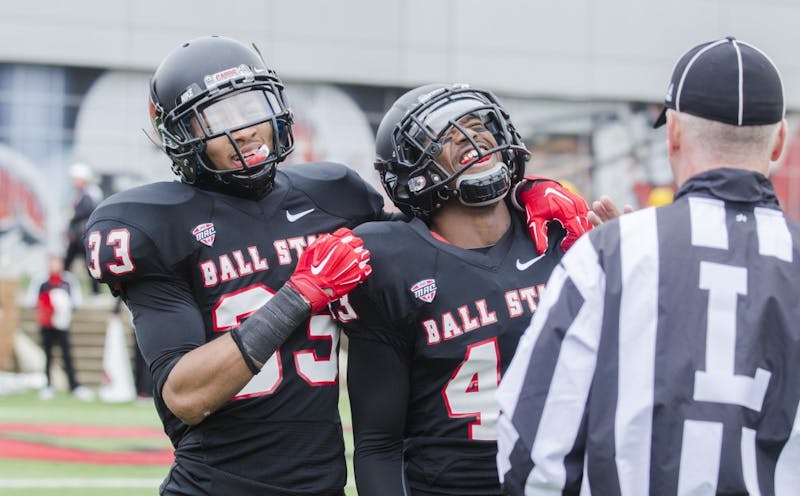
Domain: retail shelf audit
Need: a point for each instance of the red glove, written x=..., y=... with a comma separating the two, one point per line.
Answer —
x=544, y=201
x=330, y=268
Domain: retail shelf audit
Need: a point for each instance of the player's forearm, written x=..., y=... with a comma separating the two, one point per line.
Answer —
x=264, y=331
x=205, y=379
x=379, y=469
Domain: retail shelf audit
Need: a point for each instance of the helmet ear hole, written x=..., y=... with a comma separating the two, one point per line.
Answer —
x=285, y=136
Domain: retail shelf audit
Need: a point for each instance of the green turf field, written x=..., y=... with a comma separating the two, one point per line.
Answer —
x=38, y=478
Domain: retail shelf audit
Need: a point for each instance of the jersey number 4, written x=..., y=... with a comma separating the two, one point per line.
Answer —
x=470, y=390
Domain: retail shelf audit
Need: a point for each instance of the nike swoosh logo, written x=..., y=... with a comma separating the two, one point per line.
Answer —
x=525, y=265
x=316, y=269
x=294, y=217
x=553, y=191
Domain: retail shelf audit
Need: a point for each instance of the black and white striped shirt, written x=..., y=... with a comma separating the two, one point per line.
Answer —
x=664, y=358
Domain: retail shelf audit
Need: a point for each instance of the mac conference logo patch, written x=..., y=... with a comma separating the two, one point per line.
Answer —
x=424, y=290
x=205, y=233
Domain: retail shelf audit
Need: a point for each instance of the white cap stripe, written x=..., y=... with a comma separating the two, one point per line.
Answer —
x=774, y=67
x=741, y=80
x=686, y=71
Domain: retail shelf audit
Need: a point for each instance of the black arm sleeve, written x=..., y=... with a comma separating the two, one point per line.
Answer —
x=378, y=384
x=167, y=322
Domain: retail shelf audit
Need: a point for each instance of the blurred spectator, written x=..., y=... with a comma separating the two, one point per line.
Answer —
x=141, y=372
x=87, y=196
x=54, y=297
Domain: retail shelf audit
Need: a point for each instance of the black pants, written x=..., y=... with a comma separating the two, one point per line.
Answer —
x=50, y=337
x=75, y=250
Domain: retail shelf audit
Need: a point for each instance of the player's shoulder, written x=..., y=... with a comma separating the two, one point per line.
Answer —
x=389, y=238
x=333, y=187
x=152, y=206
x=399, y=227
x=137, y=232
x=379, y=304
x=156, y=195
x=316, y=171
x=321, y=177
x=398, y=250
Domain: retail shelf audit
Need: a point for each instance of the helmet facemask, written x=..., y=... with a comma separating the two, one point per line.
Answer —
x=423, y=177
x=243, y=99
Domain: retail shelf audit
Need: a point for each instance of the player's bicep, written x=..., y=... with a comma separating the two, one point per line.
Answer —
x=378, y=384
x=378, y=376
x=167, y=321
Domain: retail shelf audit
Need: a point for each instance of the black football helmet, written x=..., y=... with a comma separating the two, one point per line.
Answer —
x=411, y=137
x=211, y=87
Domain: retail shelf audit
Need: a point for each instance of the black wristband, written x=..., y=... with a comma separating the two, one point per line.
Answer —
x=266, y=329
x=248, y=360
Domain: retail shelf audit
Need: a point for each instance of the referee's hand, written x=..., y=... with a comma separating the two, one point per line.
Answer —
x=604, y=210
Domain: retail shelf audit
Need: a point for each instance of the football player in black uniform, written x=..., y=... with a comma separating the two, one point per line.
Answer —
x=225, y=284
x=436, y=324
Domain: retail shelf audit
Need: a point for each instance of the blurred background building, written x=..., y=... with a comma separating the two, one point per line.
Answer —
x=582, y=79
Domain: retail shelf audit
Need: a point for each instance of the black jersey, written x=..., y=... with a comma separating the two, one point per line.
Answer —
x=431, y=331
x=192, y=264
x=664, y=358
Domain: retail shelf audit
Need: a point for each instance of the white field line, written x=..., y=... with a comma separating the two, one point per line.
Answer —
x=77, y=482
x=93, y=482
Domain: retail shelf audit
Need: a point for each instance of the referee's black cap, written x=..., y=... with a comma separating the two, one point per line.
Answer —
x=727, y=81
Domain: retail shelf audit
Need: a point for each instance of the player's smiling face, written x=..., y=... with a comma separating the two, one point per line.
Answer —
x=254, y=142
x=458, y=151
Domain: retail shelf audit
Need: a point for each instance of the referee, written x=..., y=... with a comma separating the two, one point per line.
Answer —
x=664, y=358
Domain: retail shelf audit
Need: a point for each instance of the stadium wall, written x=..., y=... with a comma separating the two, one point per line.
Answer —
x=582, y=49
x=582, y=79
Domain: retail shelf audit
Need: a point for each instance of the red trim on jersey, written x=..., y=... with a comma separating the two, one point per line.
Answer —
x=439, y=237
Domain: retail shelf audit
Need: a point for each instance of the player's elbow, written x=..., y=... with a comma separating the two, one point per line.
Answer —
x=190, y=416
x=189, y=408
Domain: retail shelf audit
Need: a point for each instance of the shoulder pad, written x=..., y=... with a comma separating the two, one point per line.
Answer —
x=394, y=246
x=161, y=193
x=379, y=306
x=336, y=188
x=137, y=233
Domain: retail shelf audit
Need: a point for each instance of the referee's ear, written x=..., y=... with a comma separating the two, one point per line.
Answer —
x=673, y=133
x=780, y=141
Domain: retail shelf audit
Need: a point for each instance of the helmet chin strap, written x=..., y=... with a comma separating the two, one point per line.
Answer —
x=485, y=187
